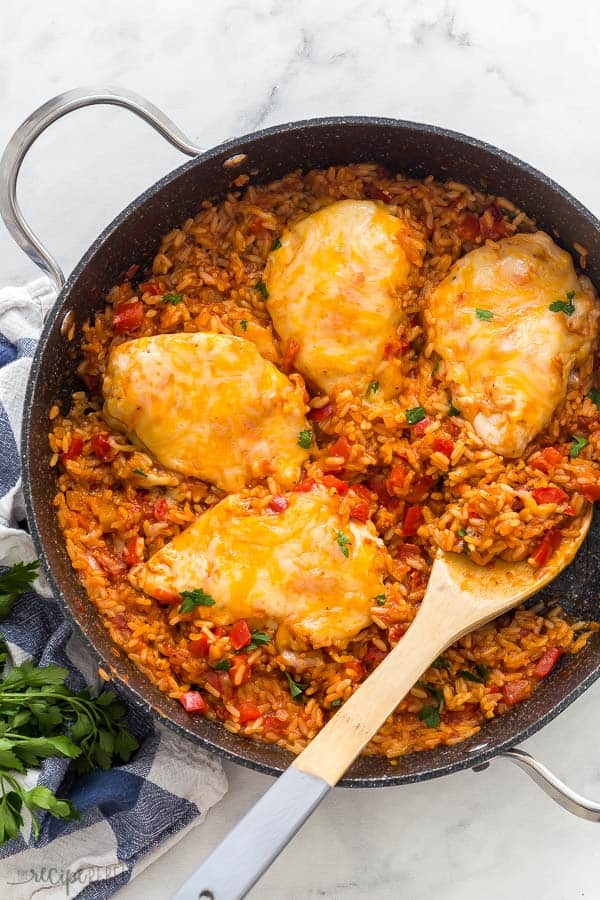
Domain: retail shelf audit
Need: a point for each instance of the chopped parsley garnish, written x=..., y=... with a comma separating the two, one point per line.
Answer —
x=244, y=325
x=174, y=299
x=441, y=663
x=343, y=542
x=453, y=411
x=417, y=414
x=579, y=442
x=262, y=289
x=257, y=639
x=14, y=583
x=223, y=665
x=335, y=703
x=305, y=439
x=276, y=245
x=373, y=388
x=380, y=599
x=565, y=306
x=462, y=532
x=594, y=396
x=479, y=678
x=296, y=689
x=431, y=714
x=197, y=597
x=486, y=315
x=140, y=472
x=483, y=670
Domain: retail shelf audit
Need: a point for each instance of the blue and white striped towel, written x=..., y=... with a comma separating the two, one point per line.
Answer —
x=131, y=814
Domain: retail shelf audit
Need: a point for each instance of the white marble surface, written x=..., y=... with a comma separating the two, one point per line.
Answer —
x=523, y=74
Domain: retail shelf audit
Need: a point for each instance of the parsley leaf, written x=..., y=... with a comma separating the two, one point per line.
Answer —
x=434, y=691
x=335, y=703
x=373, y=388
x=430, y=715
x=441, y=663
x=469, y=676
x=343, y=542
x=140, y=472
x=174, y=299
x=579, y=442
x=262, y=289
x=223, y=665
x=305, y=439
x=197, y=597
x=380, y=599
x=462, y=532
x=257, y=639
x=594, y=396
x=277, y=244
x=14, y=583
x=296, y=689
x=417, y=414
x=483, y=671
x=453, y=411
x=565, y=306
x=486, y=315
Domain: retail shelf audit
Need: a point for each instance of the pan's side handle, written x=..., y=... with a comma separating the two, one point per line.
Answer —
x=553, y=786
x=28, y=132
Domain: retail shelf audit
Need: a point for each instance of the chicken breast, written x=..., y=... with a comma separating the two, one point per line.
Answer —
x=333, y=286
x=207, y=405
x=304, y=567
x=512, y=320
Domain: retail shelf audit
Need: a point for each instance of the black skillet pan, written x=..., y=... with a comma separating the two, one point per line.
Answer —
x=414, y=149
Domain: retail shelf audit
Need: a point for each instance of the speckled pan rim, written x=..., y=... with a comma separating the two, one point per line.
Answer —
x=480, y=754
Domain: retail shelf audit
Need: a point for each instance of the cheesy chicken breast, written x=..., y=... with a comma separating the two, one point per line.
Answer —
x=303, y=567
x=207, y=405
x=512, y=321
x=333, y=288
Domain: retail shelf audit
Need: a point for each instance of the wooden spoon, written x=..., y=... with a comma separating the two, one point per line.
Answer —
x=460, y=597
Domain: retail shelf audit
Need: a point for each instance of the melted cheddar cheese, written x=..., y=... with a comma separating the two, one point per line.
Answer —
x=333, y=287
x=207, y=405
x=288, y=568
x=508, y=356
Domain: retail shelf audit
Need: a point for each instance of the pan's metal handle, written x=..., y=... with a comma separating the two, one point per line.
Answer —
x=28, y=132
x=553, y=786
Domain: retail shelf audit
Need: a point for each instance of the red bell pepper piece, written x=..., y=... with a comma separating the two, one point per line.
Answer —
x=193, y=702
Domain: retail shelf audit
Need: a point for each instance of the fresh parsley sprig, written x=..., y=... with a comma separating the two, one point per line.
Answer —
x=14, y=583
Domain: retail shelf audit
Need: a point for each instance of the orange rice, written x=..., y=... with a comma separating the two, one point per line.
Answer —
x=116, y=506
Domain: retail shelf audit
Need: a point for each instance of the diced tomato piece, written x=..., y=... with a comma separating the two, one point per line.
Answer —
x=305, y=486
x=152, y=288
x=290, y=352
x=193, y=702
x=421, y=427
x=360, y=511
x=248, y=713
x=161, y=510
x=199, y=647
x=552, y=455
x=547, y=662
x=412, y=519
x=215, y=681
x=396, y=631
x=396, y=479
x=570, y=511
x=330, y=481
x=591, y=492
x=133, y=551
x=341, y=447
x=420, y=488
x=240, y=634
x=374, y=655
x=443, y=445
x=469, y=227
x=128, y=317
x=278, y=504
x=319, y=415
x=492, y=223
x=362, y=491
x=273, y=723
x=75, y=448
x=101, y=445
x=372, y=192
x=515, y=691
x=546, y=547
x=549, y=495
x=167, y=598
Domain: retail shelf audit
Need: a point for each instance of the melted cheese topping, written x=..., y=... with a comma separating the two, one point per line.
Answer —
x=508, y=367
x=333, y=288
x=207, y=405
x=286, y=567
